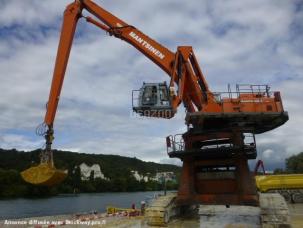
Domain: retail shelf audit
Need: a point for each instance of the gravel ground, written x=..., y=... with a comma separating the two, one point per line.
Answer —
x=75, y=221
x=103, y=220
x=296, y=213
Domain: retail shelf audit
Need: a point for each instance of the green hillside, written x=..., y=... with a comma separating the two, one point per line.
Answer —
x=116, y=168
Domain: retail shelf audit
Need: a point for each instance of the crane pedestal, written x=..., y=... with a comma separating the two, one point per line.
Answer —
x=234, y=187
x=215, y=167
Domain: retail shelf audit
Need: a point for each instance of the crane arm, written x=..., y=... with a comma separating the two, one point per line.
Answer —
x=186, y=76
x=159, y=54
x=182, y=66
x=71, y=16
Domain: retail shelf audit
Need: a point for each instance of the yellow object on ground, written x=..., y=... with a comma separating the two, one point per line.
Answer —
x=162, y=210
x=274, y=182
x=123, y=211
x=44, y=174
x=112, y=210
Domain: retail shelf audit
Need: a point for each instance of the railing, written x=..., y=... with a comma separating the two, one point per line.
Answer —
x=249, y=98
x=264, y=89
x=257, y=92
x=241, y=95
x=176, y=143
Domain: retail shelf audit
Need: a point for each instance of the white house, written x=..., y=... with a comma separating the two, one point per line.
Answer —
x=139, y=177
x=169, y=176
x=86, y=171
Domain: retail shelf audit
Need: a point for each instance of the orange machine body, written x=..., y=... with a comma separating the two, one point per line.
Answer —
x=182, y=66
x=214, y=152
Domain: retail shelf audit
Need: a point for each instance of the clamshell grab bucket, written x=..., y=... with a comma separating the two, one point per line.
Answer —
x=44, y=174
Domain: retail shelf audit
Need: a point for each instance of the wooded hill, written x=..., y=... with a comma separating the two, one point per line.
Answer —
x=116, y=168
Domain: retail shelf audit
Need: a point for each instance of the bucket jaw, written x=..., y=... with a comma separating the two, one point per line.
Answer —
x=45, y=173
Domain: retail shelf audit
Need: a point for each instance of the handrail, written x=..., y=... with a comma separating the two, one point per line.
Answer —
x=175, y=145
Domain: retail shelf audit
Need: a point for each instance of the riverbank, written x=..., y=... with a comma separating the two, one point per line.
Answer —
x=76, y=220
x=71, y=204
x=119, y=220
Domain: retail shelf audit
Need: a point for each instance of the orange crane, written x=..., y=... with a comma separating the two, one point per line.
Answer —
x=217, y=122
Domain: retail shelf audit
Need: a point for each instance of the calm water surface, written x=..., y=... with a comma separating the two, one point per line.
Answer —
x=70, y=204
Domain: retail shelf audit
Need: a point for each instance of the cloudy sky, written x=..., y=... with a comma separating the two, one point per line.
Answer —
x=236, y=41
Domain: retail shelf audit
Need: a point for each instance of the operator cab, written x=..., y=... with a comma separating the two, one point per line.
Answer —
x=152, y=100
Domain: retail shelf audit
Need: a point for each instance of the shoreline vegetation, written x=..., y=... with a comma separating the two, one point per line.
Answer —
x=116, y=169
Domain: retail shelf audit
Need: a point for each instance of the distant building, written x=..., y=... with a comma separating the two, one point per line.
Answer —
x=86, y=171
x=139, y=177
x=169, y=176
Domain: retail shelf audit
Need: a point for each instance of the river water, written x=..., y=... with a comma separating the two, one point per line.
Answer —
x=70, y=204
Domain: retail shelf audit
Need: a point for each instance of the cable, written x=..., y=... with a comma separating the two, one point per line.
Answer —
x=41, y=129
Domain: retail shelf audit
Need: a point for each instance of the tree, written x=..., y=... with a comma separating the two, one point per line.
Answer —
x=279, y=171
x=76, y=176
x=294, y=164
x=92, y=176
x=117, y=170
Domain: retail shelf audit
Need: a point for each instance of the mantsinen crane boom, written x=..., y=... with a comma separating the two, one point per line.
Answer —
x=216, y=124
